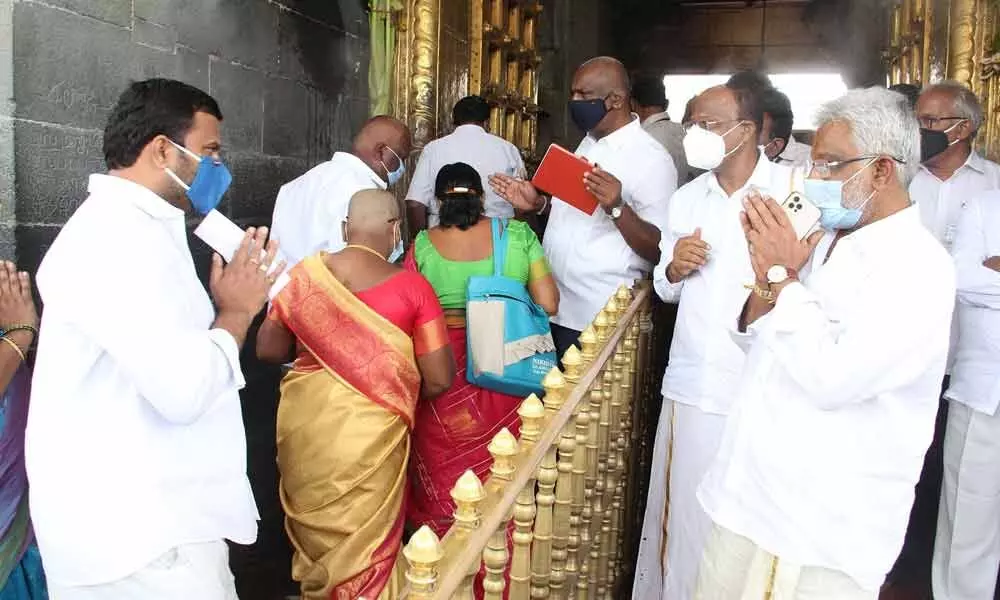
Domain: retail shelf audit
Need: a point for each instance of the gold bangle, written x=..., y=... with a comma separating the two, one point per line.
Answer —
x=14, y=345
x=765, y=295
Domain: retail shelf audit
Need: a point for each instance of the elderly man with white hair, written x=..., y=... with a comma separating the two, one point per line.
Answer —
x=812, y=486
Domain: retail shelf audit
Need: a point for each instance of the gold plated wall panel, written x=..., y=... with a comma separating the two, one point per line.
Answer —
x=447, y=49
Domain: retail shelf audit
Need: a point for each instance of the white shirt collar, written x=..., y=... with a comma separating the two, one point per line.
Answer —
x=618, y=137
x=139, y=195
x=349, y=161
x=761, y=177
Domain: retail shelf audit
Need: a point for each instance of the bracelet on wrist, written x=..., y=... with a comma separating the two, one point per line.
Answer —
x=14, y=346
x=5, y=329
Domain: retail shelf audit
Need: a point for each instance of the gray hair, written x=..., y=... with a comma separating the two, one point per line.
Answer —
x=881, y=123
x=965, y=104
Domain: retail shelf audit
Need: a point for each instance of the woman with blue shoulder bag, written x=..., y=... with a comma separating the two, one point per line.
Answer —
x=452, y=432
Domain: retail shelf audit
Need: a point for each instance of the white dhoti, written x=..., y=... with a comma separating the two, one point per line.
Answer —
x=734, y=568
x=967, y=547
x=675, y=527
x=191, y=572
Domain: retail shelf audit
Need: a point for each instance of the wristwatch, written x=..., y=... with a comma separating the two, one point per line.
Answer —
x=616, y=212
x=779, y=274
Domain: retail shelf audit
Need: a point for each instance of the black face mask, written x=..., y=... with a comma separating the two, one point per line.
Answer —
x=586, y=114
x=932, y=143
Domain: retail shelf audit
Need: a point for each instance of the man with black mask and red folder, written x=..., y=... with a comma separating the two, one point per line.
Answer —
x=633, y=179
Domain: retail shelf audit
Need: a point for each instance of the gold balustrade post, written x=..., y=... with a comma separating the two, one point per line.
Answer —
x=532, y=413
x=503, y=449
x=423, y=553
x=555, y=386
x=609, y=431
x=588, y=345
x=601, y=327
x=545, y=498
x=601, y=525
x=467, y=494
x=618, y=448
x=572, y=362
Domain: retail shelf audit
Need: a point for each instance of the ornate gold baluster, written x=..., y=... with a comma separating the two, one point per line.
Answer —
x=572, y=362
x=503, y=448
x=532, y=412
x=617, y=448
x=548, y=473
x=601, y=327
x=423, y=553
x=467, y=494
x=605, y=465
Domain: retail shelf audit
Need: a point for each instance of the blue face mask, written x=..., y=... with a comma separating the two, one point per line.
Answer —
x=210, y=183
x=394, y=176
x=828, y=196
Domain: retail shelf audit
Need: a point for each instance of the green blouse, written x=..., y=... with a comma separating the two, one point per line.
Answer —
x=449, y=278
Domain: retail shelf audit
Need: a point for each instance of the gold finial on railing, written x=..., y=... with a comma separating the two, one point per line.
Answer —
x=588, y=344
x=572, y=361
x=611, y=308
x=554, y=382
x=467, y=494
x=601, y=326
x=624, y=296
x=531, y=411
x=502, y=448
x=423, y=553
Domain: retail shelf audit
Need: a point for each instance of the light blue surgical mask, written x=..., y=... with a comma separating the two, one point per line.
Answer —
x=394, y=176
x=397, y=250
x=828, y=196
x=210, y=183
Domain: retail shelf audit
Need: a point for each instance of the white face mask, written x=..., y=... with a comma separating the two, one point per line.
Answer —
x=706, y=149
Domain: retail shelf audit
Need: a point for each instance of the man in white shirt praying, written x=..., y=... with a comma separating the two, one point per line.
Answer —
x=813, y=483
x=472, y=144
x=967, y=548
x=310, y=209
x=591, y=255
x=136, y=452
x=703, y=266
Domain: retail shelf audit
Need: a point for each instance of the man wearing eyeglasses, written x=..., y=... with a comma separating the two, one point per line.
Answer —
x=813, y=483
x=951, y=173
x=704, y=264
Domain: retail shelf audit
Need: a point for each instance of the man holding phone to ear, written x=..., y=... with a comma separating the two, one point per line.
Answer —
x=704, y=264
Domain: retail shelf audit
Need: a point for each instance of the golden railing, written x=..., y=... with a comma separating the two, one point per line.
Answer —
x=571, y=485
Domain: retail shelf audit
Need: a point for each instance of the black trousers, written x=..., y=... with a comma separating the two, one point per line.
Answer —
x=564, y=337
x=913, y=567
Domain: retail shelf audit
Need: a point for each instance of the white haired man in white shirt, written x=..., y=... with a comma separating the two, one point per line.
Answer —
x=472, y=144
x=967, y=548
x=704, y=264
x=813, y=484
x=135, y=446
x=951, y=173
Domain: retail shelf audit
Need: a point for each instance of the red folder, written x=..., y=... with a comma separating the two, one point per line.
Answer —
x=560, y=174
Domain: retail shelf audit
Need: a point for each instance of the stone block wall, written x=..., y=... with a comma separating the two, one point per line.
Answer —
x=291, y=79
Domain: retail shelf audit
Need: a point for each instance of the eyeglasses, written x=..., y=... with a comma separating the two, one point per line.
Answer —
x=707, y=125
x=825, y=168
x=931, y=122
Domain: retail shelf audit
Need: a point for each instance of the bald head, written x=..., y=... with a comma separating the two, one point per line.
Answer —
x=383, y=143
x=602, y=76
x=371, y=210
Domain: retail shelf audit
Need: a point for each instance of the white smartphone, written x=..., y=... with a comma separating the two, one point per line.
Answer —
x=802, y=213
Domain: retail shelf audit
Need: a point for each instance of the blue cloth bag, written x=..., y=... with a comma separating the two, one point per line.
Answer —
x=510, y=347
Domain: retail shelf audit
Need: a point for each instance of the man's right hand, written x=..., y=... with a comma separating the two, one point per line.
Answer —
x=519, y=192
x=690, y=254
x=240, y=288
x=992, y=262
